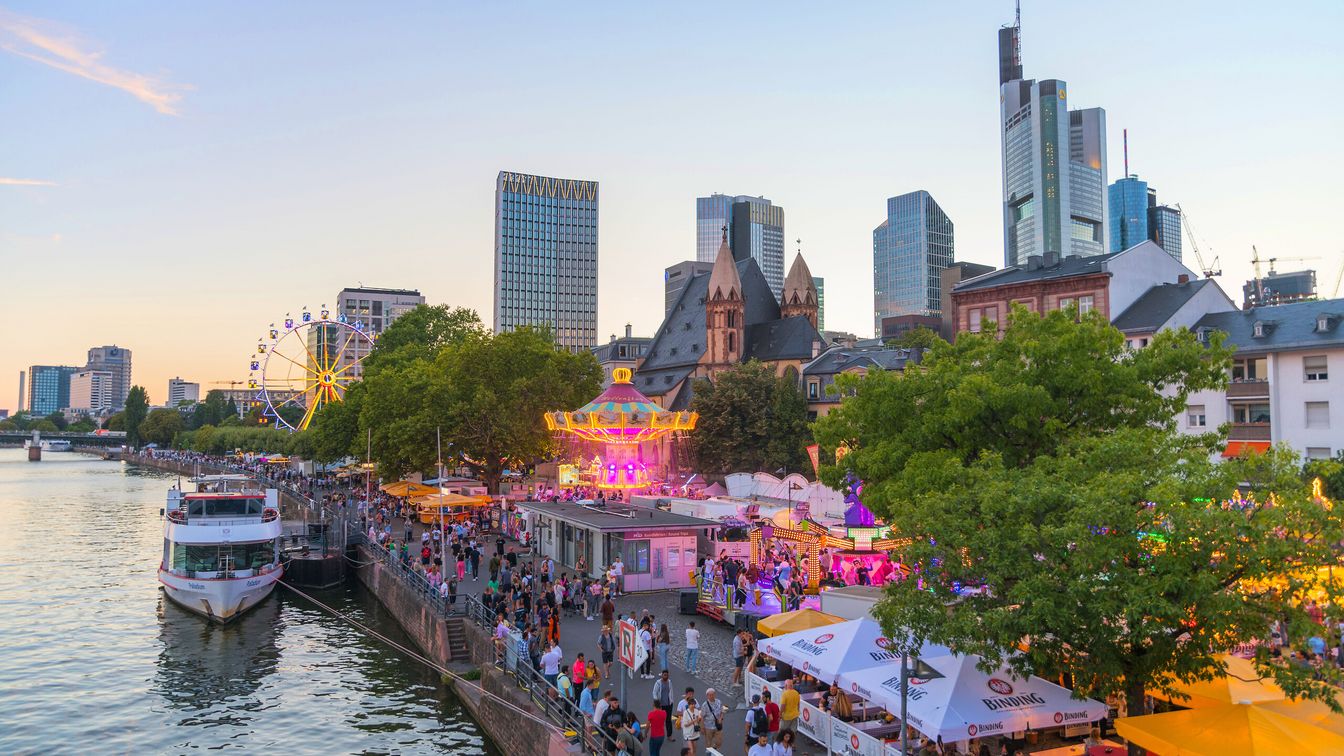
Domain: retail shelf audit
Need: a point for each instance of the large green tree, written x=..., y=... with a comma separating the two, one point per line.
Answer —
x=1046, y=467
x=160, y=426
x=420, y=334
x=134, y=413
x=335, y=427
x=750, y=420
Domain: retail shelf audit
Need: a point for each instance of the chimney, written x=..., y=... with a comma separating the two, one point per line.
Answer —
x=1183, y=279
x=627, y=330
x=1033, y=262
x=613, y=338
x=1051, y=259
x=816, y=348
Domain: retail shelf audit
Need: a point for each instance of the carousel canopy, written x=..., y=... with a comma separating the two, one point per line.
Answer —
x=620, y=415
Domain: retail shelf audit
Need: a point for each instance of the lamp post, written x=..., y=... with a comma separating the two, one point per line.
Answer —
x=924, y=672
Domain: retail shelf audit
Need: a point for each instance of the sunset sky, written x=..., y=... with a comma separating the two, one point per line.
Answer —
x=176, y=176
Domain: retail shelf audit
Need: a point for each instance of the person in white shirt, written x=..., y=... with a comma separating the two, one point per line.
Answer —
x=692, y=647
x=550, y=664
x=600, y=710
x=762, y=747
x=618, y=569
x=646, y=640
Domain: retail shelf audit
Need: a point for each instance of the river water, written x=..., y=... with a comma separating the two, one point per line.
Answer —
x=93, y=658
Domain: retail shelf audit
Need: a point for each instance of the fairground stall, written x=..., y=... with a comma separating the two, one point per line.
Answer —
x=657, y=548
x=849, y=676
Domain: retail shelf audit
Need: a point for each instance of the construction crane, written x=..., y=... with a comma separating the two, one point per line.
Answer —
x=1256, y=260
x=1209, y=271
x=1338, y=277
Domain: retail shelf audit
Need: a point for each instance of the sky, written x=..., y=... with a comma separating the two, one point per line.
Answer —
x=176, y=177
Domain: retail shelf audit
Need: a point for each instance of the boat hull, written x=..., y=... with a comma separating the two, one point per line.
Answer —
x=220, y=600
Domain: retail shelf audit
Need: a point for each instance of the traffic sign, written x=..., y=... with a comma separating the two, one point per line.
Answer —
x=627, y=640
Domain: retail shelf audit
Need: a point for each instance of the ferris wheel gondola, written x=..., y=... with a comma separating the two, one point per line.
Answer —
x=306, y=363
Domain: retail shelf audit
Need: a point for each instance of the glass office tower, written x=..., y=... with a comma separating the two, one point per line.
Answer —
x=910, y=250
x=1128, y=199
x=755, y=229
x=546, y=257
x=49, y=388
x=1164, y=226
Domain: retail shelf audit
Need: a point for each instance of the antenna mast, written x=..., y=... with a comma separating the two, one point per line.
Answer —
x=1126, y=133
x=1017, y=38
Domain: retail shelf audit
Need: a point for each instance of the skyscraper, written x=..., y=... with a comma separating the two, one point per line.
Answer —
x=117, y=361
x=910, y=250
x=1164, y=225
x=820, y=283
x=755, y=230
x=91, y=392
x=675, y=278
x=1054, y=165
x=1128, y=198
x=373, y=307
x=49, y=388
x=546, y=257
x=182, y=391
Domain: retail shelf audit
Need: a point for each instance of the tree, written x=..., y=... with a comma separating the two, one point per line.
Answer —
x=82, y=425
x=45, y=425
x=919, y=337
x=1046, y=467
x=58, y=419
x=1331, y=473
x=137, y=407
x=161, y=426
x=420, y=334
x=335, y=427
x=115, y=422
x=750, y=420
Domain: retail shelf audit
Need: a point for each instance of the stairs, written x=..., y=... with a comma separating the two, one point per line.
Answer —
x=457, y=639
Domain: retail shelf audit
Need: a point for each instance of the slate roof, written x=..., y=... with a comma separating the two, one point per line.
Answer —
x=840, y=359
x=1157, y=305
x=1287, y=326
x=1069, y=267
x=786, y=339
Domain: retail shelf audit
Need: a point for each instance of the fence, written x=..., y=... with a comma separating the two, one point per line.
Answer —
x=513, y=659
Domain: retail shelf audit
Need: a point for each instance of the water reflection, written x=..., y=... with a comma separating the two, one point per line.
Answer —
x=204, y=667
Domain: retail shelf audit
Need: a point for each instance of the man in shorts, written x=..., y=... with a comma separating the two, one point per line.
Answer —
x=739, y=659
x=607, y=643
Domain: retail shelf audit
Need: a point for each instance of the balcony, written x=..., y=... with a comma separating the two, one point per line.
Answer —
x=1249, y=432
x=1253, y=389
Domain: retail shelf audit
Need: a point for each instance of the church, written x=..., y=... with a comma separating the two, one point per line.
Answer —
x=727, y=317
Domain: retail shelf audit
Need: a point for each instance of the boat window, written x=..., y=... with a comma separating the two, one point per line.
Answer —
x=196, y=507
x=213, y=558
x=236, y=507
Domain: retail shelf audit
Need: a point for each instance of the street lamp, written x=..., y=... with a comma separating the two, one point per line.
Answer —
x=922, y=671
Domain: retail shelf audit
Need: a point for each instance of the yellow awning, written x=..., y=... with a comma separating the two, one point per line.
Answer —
x=1241, y=684
x=792, y=622
x=450, y=500
x=1234, y=730
x=407, y=488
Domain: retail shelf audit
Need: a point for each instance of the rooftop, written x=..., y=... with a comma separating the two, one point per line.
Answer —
x=838, y=359
x=615, y=516
x=1068, y=267
x=376, y=290
x=1157, y=305
x=1282, y=327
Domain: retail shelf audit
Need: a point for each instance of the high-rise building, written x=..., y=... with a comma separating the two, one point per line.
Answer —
x=910, y=250
x=117, y=361
x=546, y=257
x=1164, y=225
x=374, y=309
x=820, y=283
x=1054, y=165
x=1137, y=217
x=91, y=392
x=182, y=391
x=675, y=278
x=49, y=388
x=755, y=230
x=23, y=396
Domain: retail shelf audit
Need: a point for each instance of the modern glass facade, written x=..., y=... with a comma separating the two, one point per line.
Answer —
x=911, y=248
x=1164, y=227
x=755, y=229
x=49, y=388
x=1128, y=200
x=820, y=284
x=546, y=257
x=117, y=361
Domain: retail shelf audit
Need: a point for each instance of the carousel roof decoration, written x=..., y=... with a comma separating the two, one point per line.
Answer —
x=620, y=415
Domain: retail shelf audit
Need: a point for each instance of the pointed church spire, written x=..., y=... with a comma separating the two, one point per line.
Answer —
x=724, y=283
x=799, y=288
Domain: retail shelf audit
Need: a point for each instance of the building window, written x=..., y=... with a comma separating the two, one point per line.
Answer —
x=1250, y=413
x=813, y=389
x=992, y=315
x=973, y=320
x=1195, y=417
x=1065, y=303
x=1318, y=452
x=732, y=342
x=1318, y=414
x=636, y=557
x=1314, y=368
x=1085, y=304
x=1249, y=369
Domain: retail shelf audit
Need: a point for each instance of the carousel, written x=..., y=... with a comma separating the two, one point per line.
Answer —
x=617, y=436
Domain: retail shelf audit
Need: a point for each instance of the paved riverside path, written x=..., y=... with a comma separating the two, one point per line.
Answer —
x=714, y=668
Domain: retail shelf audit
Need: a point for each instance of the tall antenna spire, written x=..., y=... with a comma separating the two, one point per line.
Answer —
x=1126, y=133
x=1017, y=38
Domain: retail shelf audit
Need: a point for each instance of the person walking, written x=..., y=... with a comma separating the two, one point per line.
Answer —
x=664, y=645
x=657, y=725
x=606, y=643
x=713, y=712
x=692, y=650
x=788, y=710
x=691, y=720
x=662, y=694
x=758, y=724
x=646, y=640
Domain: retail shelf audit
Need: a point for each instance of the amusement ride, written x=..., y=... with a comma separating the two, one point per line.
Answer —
x=306, y=363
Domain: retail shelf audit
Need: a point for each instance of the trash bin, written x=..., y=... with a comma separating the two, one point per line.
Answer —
x=688, y=601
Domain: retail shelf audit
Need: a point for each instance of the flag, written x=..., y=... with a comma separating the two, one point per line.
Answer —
x=814, y=454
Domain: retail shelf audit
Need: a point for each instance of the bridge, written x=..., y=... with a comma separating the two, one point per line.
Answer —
x=105, y=441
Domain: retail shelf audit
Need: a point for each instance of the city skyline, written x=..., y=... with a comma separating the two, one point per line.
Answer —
x=195, y=192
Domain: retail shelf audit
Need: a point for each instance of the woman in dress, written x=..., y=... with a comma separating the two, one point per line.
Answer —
x=691, y=720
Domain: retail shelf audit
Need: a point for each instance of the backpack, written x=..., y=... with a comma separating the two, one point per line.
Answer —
x=760, y=722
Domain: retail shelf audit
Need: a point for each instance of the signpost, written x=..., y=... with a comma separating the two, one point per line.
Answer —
x=630, y=653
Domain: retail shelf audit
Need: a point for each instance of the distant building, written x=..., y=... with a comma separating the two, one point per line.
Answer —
x=820, y=284
x=897, y=326
x=1164, y=225
x=182, y=391
x=953, y=275
x=676, y=277
x=117, y=361
x=374, y=309
x=755, y=230
x=546, y=257
x=819, y=375
x=1170, y=305
x=1054, y=165
x=49, y=388
x=23, y=394
x=91, y=392
x=911, y=247
x=1136, y=216
x=625, y=352
x=1279, y=288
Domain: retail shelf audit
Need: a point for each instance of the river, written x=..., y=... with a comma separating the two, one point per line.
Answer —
x=93, y=658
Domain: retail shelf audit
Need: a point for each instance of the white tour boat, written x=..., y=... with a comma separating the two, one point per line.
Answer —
x=221, y=545
x=52, y=445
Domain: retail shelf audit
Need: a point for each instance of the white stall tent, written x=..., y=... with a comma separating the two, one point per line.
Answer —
x=827, y=652
x=967, y=703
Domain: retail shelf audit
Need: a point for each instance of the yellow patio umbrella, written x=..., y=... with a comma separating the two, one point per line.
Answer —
x=407, y=488
x=792, y=622
x=1232, y=730
x=450, y=500
x=1311, y=712
x=1240, y=683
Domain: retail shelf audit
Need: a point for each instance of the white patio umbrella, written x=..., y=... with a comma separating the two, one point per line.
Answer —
x=827, y=652
x=967, y=703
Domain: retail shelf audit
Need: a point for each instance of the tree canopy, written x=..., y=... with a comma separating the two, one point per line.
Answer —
x=919, y=337
x=161, y=426
x=134, y=413
x=750, y=420
x=420, y=334
x=1046, y=467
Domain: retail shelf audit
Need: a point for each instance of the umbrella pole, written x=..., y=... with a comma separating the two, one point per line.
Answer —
x=905, y=690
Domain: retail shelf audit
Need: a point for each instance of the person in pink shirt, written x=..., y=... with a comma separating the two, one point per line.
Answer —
x=579, y=670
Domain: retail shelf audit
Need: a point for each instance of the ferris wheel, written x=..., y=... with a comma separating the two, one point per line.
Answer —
x=308, y=363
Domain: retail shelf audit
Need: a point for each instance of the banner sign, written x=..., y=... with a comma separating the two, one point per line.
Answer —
x=814, y=454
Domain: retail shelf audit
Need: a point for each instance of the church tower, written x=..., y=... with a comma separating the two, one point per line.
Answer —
x=725, y=311
x=800, y=293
